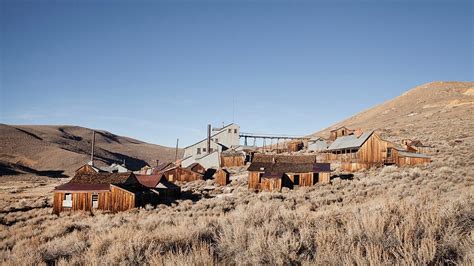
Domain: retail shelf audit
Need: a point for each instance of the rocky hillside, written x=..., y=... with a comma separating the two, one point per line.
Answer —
x=431, y=112
x=59, y=150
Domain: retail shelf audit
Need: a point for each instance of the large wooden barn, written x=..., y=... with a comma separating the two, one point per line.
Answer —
x=366, y=150
x=88, y=191
x=272, y=173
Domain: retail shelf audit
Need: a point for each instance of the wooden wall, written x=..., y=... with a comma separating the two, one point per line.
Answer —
x=115, y=200
x=182, y=175
x=373, y=151
x=402, y=161
x=254, y=180
x=232, y=161
x=222, y=177
x=271, y=184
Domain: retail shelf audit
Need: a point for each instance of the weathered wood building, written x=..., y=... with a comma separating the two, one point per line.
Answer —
x=366, y=150
x=232, y=158
x=340, y=132
x=87, y=191
x=180, y=174
x=272, y=173
x=160, y=185
x=222, y=177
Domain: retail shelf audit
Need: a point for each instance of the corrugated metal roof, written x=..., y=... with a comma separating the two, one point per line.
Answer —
x=412, y=154
x=350, y=142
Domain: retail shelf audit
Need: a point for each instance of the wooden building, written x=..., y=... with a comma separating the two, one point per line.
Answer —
x=286, y=171
x=222, y=177
x=340, y=132
x=180, y=174
x=295, y=145
x=196, y=167
x=232, y=158
x=161, y=186
x=103, y=191
x=357, y=152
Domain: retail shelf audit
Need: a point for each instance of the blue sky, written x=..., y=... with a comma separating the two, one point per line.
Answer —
x=159, y=70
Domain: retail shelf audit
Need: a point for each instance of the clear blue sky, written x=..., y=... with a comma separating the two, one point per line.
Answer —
x=158, y=70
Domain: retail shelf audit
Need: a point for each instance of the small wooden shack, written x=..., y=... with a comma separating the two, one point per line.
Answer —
x=296, y=145
x=340, y=132
x=161, y=186
x=231, y=158
x=222, y=177
x=180, y=174
x=103, y=191
x=286, y=171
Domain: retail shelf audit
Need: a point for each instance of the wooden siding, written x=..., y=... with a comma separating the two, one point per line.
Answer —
x=222, y=177
x=116, y=199
x=254, y=180
x=271, y=184
x=295, y=146
x=402, y=161
x=86, y=169
x=287, y=180
x=232, y=161
x=182, y=175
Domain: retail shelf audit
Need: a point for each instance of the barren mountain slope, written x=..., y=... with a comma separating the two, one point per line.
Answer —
x=430, y=112
x=65, y=148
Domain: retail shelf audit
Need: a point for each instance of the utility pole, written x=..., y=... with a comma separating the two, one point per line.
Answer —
x=93, y=144
x=176, y=153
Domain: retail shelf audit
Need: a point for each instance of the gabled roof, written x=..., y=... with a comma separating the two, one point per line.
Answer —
x=82, y=187
x=337, y=128
x=102, y=178
x=295, y=159
x=161, y=167
x=350, y=141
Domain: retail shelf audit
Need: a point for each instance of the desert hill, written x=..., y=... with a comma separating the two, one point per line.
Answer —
x=59, y=150
x=430, y=112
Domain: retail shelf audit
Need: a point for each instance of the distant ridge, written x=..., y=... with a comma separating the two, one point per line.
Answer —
x=62, y=149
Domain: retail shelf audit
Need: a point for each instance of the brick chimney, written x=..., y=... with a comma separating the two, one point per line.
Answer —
x=358, y=132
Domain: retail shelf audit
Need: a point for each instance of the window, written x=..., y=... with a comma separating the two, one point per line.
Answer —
x=235, y=131
x=260, y=175
x=67, y=201
x=198, y=151
x=95, y=201
x=217, y=140
x=229, y=130
x=389, y=152
x=171, y=178
x=296, y=180
x=204, y=149
x=211, y=149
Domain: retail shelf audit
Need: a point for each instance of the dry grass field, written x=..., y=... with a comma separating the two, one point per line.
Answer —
x=412, y=215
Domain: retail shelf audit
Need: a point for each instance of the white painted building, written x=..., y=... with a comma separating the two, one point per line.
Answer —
x=221, y=139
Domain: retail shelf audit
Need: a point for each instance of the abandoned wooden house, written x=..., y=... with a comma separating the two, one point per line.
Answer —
x=232, y=158
x=272, y=173
x=417, y=146
x=356, y=152
x=88, y=191
x=160, y=185
x=183, y=174
x=222, y=177
x=340, y=132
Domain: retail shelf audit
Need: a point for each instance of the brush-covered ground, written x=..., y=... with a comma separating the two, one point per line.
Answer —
x=413, y=215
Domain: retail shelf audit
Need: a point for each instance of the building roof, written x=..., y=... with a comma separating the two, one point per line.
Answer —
x=230, y=153
x=82, y=187
x=101, y=178
x=149, y=180
x=337, y=128
x=350, y=141
x=412, y=154
x=295, y=159
x=272, y=175
x=163, y=166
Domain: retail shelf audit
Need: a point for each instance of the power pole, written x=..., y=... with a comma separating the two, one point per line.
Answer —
x=93, y=144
